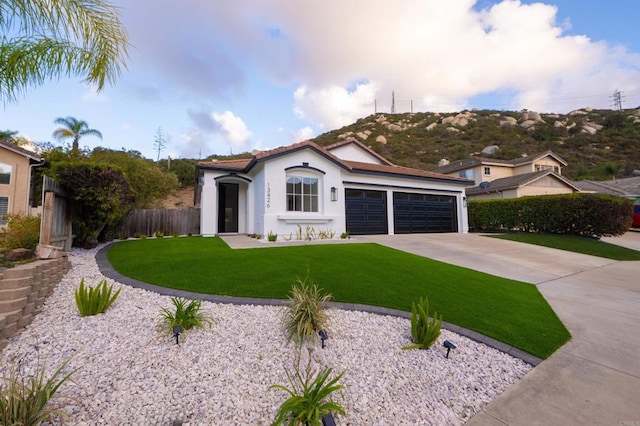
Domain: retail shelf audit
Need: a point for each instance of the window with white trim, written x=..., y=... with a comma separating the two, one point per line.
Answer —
x=302, y=194
x=4, y=209
x=5, y=174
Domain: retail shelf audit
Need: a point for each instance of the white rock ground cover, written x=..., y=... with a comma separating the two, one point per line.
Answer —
x=129, y=373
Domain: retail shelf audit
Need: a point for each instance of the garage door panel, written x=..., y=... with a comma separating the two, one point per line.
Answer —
x=366, y=212
x=418, y=213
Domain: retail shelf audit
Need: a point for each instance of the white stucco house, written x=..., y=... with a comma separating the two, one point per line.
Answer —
x=342, y=187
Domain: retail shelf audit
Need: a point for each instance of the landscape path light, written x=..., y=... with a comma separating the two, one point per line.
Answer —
x=177, y=331
x=323, y=336
x=447, y=344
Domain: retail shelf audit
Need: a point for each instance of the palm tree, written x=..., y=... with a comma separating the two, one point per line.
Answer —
x=75, y=129
x=43, y=40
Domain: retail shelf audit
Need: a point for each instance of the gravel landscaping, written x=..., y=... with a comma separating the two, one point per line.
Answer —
x=130, y=373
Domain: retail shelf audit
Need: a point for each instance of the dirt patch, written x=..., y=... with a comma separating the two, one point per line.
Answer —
x=183, y=198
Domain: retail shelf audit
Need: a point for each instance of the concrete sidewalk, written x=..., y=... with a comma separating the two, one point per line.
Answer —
x=595, y=378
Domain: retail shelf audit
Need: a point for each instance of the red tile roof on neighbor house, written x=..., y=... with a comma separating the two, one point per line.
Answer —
x=245, y=165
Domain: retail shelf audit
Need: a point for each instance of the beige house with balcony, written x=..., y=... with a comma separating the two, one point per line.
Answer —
x=538, y=174
x=16, y=166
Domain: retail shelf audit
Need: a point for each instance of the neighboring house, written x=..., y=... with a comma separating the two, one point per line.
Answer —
x=625, y=187
x=539, y=174
x=15, y=178
x=338, y=188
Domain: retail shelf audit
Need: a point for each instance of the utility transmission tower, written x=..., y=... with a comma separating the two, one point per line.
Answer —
x=393, y=102
x=617, y=100
x=159, y=142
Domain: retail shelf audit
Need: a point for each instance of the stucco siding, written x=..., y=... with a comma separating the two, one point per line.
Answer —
x=17, y=191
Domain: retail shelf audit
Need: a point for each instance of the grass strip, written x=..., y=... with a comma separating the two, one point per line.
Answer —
x=574, y=244
x=510, y=311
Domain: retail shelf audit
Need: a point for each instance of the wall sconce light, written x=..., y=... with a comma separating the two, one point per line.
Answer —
x=177, y=331
x=447, y=344
x=334, y=193
x=323, y=336
x=464, y=201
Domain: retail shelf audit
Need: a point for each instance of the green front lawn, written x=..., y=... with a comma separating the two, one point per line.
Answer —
x=573, y=243
x=507, y=310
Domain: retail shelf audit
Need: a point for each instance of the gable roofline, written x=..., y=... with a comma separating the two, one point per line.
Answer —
x=32, y=156
x=603, y=187
x=244, y=166
x=360, y=145
x=357, y=167
x=518, y=181
x=483, y=161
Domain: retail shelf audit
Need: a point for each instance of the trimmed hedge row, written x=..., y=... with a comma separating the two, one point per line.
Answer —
x=587, y=215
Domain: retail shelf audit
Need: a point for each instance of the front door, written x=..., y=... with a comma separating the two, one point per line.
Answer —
x=227, y=207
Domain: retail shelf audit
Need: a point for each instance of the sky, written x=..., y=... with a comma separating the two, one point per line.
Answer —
x=224, y=77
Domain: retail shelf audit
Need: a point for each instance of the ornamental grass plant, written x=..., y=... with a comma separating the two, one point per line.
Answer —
x=32, y=400
x=95, y=300
x=185, y=313
x=309, y=396
x=305, y=315
x=424, y=330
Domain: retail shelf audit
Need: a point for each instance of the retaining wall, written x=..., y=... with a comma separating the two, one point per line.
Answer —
x=23, y=290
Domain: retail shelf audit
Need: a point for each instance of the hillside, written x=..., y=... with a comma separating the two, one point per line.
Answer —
x=596, y=143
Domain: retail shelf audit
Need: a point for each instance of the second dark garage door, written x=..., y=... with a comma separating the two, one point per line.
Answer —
x=417, y=213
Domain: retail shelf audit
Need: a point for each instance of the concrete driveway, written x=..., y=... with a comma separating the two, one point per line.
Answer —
x=594, y=379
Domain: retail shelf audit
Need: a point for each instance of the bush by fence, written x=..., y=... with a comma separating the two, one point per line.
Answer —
x=589, y=215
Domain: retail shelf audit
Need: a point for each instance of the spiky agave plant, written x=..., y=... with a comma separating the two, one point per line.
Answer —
x=424, y=330
x=305, y=315
x=95, y=300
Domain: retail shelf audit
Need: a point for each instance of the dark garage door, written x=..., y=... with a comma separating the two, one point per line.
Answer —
x=366, y=212
x=416, y=213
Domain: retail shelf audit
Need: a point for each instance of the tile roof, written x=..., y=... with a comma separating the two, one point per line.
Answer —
x=360, y=145
x=518, y=181
x=356, y=166
x=625, y=187
x=352, y=166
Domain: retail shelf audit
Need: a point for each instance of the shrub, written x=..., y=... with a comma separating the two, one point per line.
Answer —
x=307, y=402
x=159, y=233
x=101, y=195
x=29, y=401
x=93, y=301
x=587, y=215
x=306, y=314
x=21, y=232
x=272, y=237
x=186, y=315
x=344, y=235
x=424, y=331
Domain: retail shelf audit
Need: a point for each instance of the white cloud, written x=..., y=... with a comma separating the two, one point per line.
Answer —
x=301, y=135
x=232, y=128
x=341, y=57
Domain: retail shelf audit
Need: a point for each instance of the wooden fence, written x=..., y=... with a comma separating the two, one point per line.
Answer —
x=167, y=221
x=55, y=228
